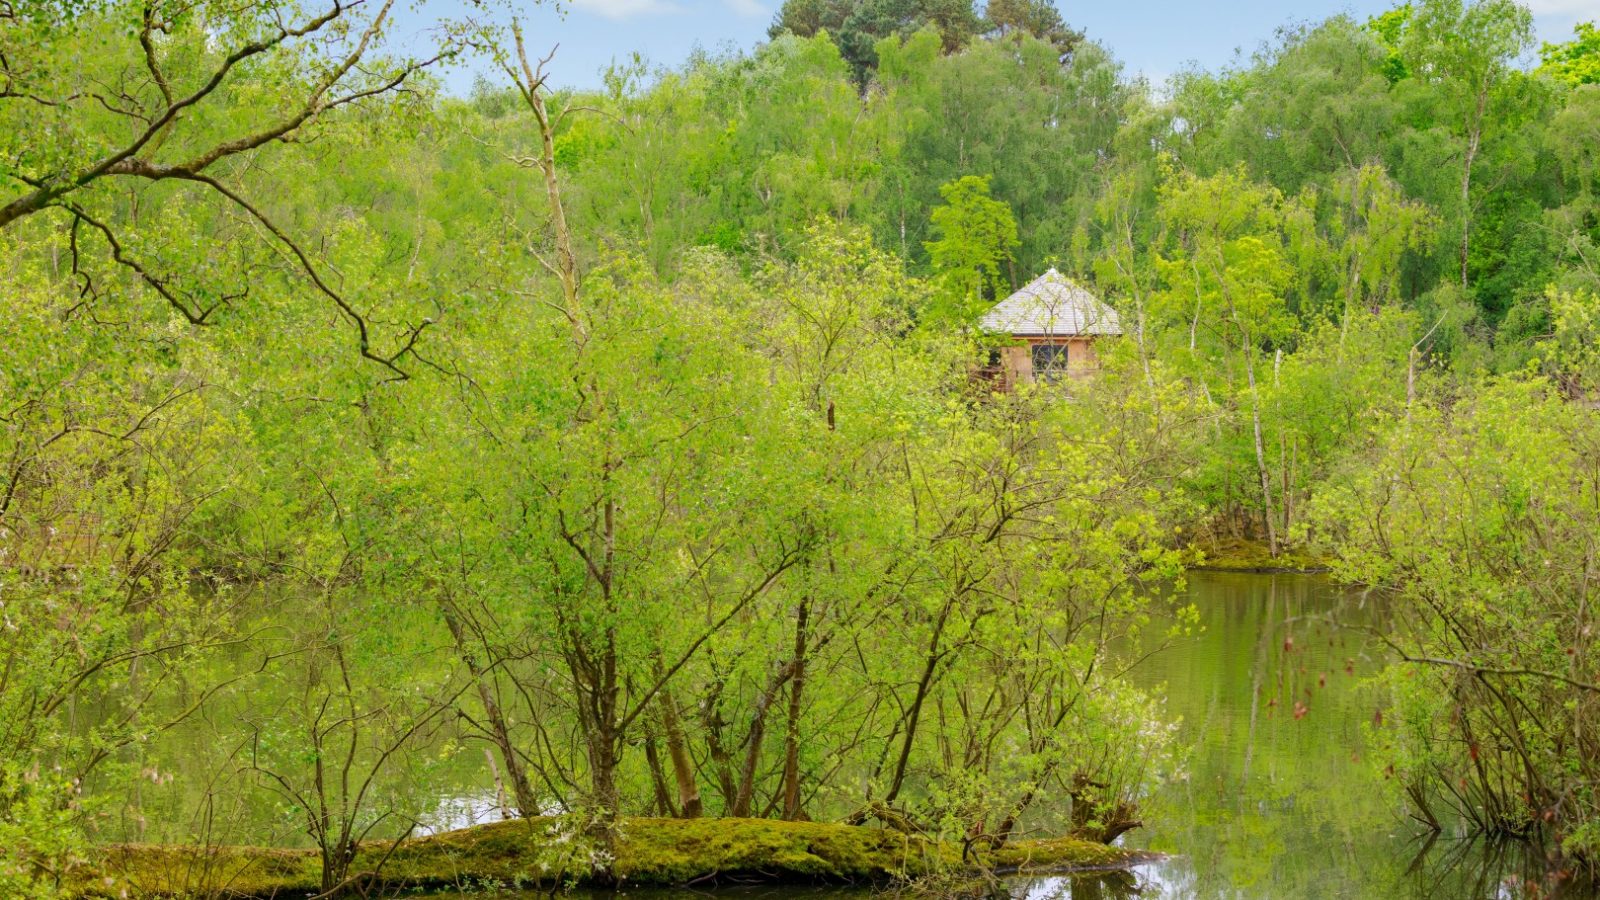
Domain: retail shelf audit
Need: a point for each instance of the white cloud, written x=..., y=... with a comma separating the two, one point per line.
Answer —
x=749, y=9
x=621, y=10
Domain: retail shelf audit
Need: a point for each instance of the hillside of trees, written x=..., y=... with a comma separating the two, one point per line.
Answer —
x=631, y=436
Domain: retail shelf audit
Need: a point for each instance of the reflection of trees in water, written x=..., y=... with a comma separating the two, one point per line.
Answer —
x=1114, y=886
x=1119, y=885
x=1449, y=869
x=1436, y=869
x=1275, y=804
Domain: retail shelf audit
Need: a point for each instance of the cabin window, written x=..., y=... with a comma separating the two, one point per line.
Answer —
x=1049, y=361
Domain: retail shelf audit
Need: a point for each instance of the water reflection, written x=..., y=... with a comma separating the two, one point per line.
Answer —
x=1279, y=798
x=1106, y=886
x=464, y=811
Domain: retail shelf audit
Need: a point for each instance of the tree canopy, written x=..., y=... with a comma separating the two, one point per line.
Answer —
x=629, y=450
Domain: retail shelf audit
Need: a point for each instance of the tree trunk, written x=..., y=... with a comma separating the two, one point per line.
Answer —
x=499, y=728
x=791, y=741
x=603, y=758
x=1261, y=455
x=745, y=796
x=595, y=678
x=1352, y=293
x=923, y=684
x=744, y=800
x=1248, y=346
x=1474, y=136
x=566, y=265
x=721, y=760
x=658, y=779
x=689, y=806
x=1411, y=380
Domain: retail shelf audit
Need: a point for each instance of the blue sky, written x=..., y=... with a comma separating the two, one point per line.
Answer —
x=1153, y=37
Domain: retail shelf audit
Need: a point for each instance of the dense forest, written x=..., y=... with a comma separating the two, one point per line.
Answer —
x=625, y=446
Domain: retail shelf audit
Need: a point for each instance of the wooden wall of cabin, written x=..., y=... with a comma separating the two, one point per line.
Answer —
x=1018, y=359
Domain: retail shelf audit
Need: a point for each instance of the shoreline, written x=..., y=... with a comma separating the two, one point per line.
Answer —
x=1252, y=556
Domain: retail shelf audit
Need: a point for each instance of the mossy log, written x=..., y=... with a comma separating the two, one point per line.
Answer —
x=1237, y=555
x=545, y=853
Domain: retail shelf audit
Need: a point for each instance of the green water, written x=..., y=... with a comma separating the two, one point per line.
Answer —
x=1277, y=798
x=1274, y=804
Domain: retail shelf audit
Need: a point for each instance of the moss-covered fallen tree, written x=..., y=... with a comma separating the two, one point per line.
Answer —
x=547, y=852
x=1240, y=555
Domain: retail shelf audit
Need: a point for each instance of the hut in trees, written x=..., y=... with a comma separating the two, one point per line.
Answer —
x=1055, y=324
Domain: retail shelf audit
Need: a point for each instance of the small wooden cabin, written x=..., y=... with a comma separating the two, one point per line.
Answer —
x=1055, y=324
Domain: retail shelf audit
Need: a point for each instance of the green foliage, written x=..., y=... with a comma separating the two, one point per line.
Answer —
x=1571, y=352
x=339, y=448
x=858, y=25
x=1376, y=227
x=1390, y=27
x=1038, y=125
x=1575, y=62
x=42, y=841
x=974, y=236
x=1487, y=529
x=1462, y=46
x=1039, y=18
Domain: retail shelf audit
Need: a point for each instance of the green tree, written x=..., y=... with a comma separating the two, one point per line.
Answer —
x=1479, y=517
x=1316, y=105
x=1571, y=353
x=1374, y=227
x=1575, y=62
x=974, y=236
x=1390, y=27
x=200, y=109
x=1039, y=18
x=1230, y=274
x=1464, y=53
x=858, y=25
x=1040, y=127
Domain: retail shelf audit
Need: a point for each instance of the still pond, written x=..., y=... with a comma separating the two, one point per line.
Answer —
x=1277, y=800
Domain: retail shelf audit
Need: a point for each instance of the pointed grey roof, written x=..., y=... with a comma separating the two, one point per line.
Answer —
x=1051, y=305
